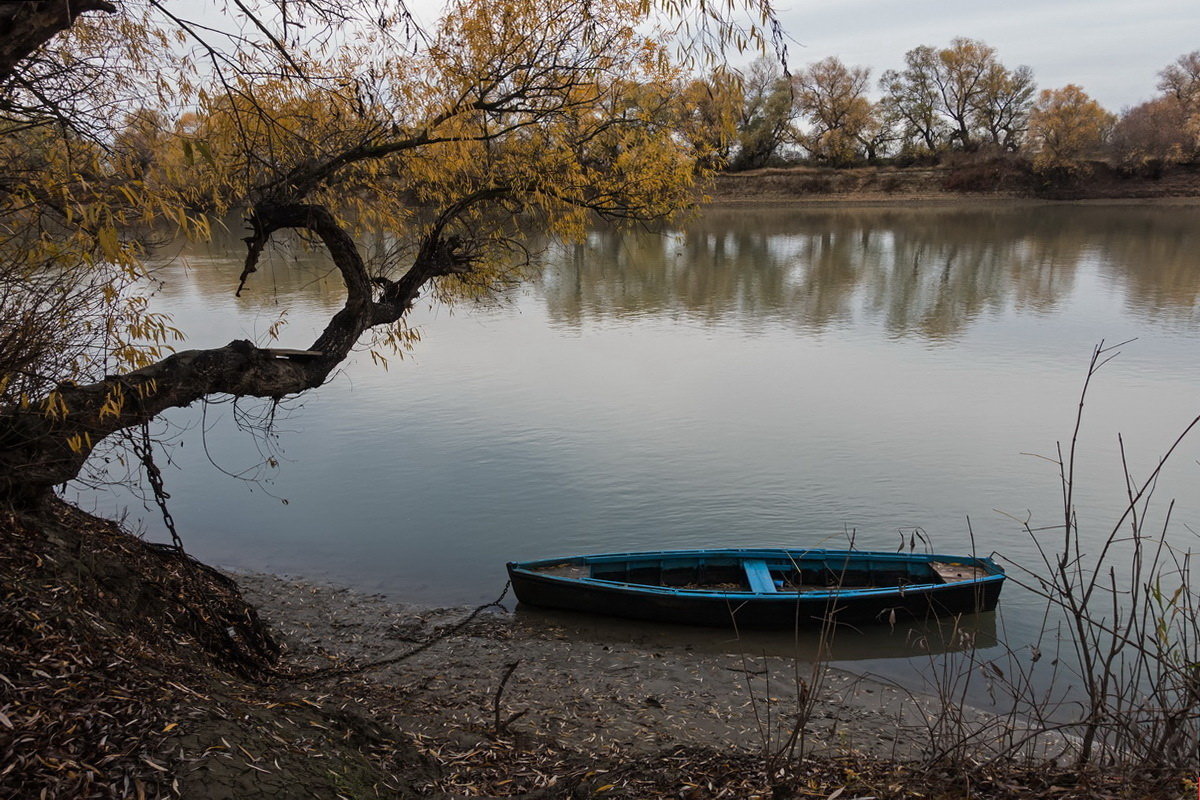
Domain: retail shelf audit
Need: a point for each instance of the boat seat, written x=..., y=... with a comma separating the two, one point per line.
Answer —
x=758, y=575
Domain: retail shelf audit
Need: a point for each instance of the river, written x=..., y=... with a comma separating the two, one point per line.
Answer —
x=754, y=376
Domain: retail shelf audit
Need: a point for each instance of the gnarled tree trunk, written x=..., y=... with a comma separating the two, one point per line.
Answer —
x=39, y=450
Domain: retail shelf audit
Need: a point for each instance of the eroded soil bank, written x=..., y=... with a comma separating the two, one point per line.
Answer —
x=968, y=180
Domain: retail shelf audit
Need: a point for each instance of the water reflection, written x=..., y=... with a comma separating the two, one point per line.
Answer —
x=291, y=276
x=905, y=640
x=926, y=273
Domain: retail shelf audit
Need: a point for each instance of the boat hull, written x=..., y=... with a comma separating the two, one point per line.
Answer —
x=764, y=609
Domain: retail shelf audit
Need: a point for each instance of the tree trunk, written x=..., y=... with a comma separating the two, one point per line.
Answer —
x=26, y=25
x=46, y=444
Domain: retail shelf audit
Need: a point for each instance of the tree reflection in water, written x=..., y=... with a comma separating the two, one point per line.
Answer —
x=925, y=273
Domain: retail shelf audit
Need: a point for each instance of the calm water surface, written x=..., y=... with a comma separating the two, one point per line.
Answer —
x=758, y=376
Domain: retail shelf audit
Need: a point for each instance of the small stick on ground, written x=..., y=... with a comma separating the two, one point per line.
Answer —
x=501, y=726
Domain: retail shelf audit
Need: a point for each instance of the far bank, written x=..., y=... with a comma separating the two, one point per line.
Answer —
x=1002, y=180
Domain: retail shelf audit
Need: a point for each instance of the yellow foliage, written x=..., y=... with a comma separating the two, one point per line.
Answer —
x=54, y=406
x=1065, y=127
x=833, y=99
x=519, y=129
x=114, y=401
x=509, y=115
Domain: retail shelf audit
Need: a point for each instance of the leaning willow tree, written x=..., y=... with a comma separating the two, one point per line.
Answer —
x=122, y=122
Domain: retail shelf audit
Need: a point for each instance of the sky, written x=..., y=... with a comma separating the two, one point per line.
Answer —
x=1114, y=49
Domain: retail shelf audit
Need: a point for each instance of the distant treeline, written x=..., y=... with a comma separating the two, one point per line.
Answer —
x=959, y=98
x=956, y=100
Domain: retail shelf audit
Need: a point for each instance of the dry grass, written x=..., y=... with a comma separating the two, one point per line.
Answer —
x=507, y=767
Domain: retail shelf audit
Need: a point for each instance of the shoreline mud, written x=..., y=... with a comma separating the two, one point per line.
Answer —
x=618, y=695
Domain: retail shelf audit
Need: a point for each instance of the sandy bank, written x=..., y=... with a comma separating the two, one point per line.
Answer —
x=594, y=695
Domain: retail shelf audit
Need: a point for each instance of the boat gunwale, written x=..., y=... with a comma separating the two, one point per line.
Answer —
x=996, y=573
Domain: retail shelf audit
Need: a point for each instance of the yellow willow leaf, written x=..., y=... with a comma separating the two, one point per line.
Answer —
x=54, y=407
x=114, y=402
x=379, y=359
x=205, y=151
x=106, y=238
x=128, y=194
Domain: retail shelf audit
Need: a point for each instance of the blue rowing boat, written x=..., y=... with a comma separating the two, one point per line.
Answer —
x=761, y=588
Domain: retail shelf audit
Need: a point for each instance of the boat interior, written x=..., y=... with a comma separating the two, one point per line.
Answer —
x=768, y=575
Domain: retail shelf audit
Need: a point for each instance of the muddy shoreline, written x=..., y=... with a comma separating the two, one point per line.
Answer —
x=613, y=696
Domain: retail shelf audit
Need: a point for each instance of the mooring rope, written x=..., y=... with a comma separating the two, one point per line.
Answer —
x=342, y=671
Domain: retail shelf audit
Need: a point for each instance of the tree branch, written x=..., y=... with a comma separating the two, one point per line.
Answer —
x=47, y=444
x=26, y=25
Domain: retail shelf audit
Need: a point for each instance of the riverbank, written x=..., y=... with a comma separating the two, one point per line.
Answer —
x=129, y=670
x=988, y=181
x=509, y=703
x=614, y=697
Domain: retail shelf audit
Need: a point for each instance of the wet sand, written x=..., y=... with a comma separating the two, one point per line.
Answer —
x=588, y=686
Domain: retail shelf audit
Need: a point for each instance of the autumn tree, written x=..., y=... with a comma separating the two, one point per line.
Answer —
x=960, y=72
x=1066, y=127
x=1001, y=110
x=1167, y=128
x=959, y=95
x=1152, y=133
x=68, y=303
x=831, y=99
x=882, y=131
x=765, y=123
x=141, y=137
x=1180, y=84
x=712, y=110
x=912, y=97
x=509, y=113
x=1181, y=81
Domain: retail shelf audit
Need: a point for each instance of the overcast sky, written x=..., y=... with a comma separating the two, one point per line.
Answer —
x=1112, y=48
